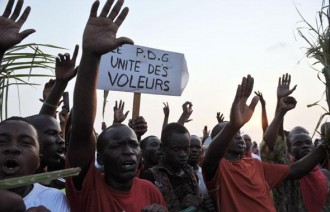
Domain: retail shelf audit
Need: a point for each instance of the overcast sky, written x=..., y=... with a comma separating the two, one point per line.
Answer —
x=222, y=41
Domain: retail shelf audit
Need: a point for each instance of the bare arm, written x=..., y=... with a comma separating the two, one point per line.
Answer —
x=264, y=119
x=283, y=90
x=99, y=38
x=240, y=114
x=186, y=112
x=303, y=166
x=206, y=134
x=270, y=136
x=166, y=110
x=64, y=71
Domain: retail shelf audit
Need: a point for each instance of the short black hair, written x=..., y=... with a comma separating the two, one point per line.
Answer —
x=143, y=142
x=18, y=118
x=101, y=139
x=217, y=128
x=171, y=129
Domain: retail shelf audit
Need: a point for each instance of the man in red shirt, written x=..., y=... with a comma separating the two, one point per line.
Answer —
x=117, y=188
x=243, y=184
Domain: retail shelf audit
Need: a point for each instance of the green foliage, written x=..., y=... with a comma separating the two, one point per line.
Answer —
x=37, y=178
x=18, y=67
x=318, y=40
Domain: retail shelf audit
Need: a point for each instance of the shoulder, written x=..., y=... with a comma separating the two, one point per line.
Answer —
x=43, y=190
x=51, y=198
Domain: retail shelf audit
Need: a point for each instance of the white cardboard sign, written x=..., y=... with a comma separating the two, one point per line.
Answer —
x=141, y=69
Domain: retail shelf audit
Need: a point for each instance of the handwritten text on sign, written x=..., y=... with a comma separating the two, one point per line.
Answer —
x=141, y=69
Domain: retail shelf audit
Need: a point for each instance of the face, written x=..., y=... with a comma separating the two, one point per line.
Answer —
x=301, y=145
x=176, y=152
x=19, y=149
x=237, y=145
x=121, y=154
x=152, y=152
x=195, y=150
x=52, y=144
x=248, y=141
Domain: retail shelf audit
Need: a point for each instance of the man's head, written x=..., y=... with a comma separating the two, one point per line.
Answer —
x=119, y=151
x=248, y=141
x=51, y=143
x=237, y=144
x=175, y=145
x=325, y=131
x=150, y=147
x=300, y=143
x=195, y=150
x=19, y=148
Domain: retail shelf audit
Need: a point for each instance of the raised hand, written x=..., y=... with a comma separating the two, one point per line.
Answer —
x=261, y=98
x=186, y=112
x=65, y=67
x=139, y=125
x=220, y=117
x=166, y=109
x=118, y=112
x=100, y=32
x=206, y=133
x=287, y=103
x=283, y=88
x=10, y=34
x=240, y=112
x=47, y=88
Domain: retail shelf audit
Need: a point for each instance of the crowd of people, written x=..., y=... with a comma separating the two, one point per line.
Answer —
x=125, y=169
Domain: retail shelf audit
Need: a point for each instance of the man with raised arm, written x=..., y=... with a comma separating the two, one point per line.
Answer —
x=117, y=189
x=310, y=192
x=243, y=184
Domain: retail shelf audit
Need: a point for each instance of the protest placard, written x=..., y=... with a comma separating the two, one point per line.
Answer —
x=141, y=69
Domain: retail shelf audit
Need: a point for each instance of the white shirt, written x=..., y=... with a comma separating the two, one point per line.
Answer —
x=201, y=184
x=51, y=198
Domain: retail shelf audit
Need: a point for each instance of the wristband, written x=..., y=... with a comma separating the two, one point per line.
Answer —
x=49, y=105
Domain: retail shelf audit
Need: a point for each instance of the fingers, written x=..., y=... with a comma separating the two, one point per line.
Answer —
x=293, y=89
x=124, y=40
x=75, y=53
x=254, y=102
x=115, y=10
x=9, y=6
x=126, y=114
x=94, y=8
x=17, y=10
x=24, y=16
x=26, y=33
x=120, y=19
x=106, y=8
x=116, y=106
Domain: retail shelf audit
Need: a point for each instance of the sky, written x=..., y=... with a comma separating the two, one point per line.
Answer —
x=222, y=41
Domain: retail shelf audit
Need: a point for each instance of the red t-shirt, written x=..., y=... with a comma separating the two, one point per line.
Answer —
x=244, y=185
x=97, y=196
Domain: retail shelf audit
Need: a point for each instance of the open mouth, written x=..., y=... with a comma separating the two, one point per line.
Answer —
x=10, y=166
x=128, y=165
x=60, y=152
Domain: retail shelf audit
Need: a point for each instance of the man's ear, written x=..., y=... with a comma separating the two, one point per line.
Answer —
x=99, y=159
